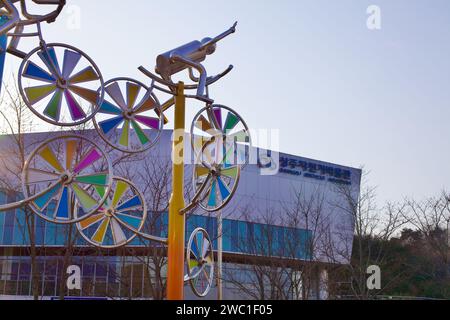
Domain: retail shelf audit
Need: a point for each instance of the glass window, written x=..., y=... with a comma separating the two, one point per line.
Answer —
x=242, y=236
x=234, y=236
x=60, y=234
x=40, y=231
x=226, y=235
x=9, y=228
x=50, y=234
x=280, y=241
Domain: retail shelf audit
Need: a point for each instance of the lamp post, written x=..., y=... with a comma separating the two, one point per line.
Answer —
x=219, y=255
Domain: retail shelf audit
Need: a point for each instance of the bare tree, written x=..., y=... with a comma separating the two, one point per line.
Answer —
x=431, y=217
x=282, y=249
x=18, y=121
x=373, y=228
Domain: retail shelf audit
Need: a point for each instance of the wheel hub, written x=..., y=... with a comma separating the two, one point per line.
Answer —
x=67, y=178
x=109, y=212
x=215, y=170
x=129, y=115
x=61, y=84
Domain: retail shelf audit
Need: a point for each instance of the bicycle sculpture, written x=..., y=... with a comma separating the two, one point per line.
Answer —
x=59, y=83
x=63, y=86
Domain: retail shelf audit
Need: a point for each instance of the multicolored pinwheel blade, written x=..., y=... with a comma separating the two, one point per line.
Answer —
x=200, y=262
x=128, y=118
x=60, y=96
x=114, y=225
x=65, y=171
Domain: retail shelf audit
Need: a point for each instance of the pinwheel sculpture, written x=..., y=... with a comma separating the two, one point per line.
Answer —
x=59, y=83
x=69, y=179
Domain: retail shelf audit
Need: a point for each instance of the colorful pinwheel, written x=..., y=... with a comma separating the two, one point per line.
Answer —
x=70, y=168
x=225, y=125
x=129, y=119
x=61, y=85
x=215, y=179
x=200, y=262
x=111, y=226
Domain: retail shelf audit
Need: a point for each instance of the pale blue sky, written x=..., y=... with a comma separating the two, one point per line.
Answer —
x=337, y=91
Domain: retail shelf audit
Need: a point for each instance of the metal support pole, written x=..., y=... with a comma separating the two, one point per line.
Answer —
x=219, y=255
x=176, y=236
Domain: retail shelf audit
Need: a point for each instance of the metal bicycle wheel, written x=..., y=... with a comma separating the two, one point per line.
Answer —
x=222, y=123
x=200, y=262
x=124, y=206
x=61, y=85
x=214, y=180
x=70, y=167
x=129, y=118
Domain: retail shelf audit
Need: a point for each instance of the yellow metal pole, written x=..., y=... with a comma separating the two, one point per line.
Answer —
x=176, y=236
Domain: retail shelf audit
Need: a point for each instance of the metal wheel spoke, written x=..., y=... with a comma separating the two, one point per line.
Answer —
x=50, y=60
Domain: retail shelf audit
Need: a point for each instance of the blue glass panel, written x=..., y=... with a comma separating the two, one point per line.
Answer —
x=3, y=44
x=108, y=107
x=242, y=237
x=226, y=235
x=50, y=234
x=280, y=241
x=165, y=224
x=40, y=231
x=10, y=217
x=135, y=201
x=135, y=242
x=110, y=124
x=60, y=234
x=32, y=70
x=234, y=236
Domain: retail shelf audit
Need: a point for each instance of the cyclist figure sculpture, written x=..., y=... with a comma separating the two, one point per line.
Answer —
x=190, y=56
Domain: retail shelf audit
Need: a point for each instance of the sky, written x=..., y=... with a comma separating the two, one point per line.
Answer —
x=336, y=90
